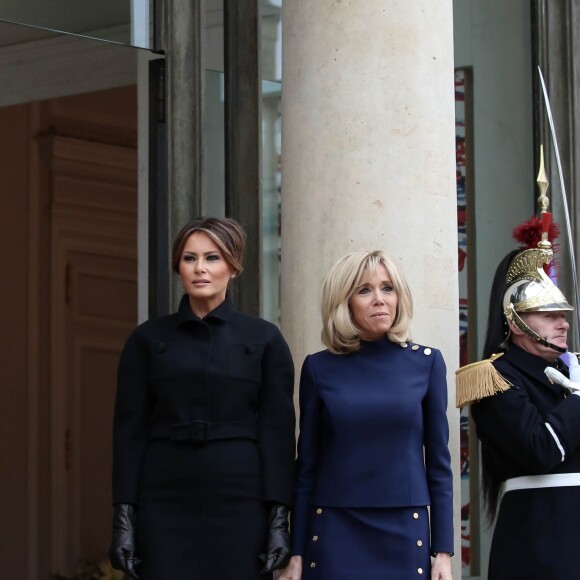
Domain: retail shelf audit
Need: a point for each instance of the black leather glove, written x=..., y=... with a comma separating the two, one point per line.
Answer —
x=278, y=550
x=122, y=551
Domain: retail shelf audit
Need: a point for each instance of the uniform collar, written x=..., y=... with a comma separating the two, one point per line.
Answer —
x=222, y=312
x=532, y=365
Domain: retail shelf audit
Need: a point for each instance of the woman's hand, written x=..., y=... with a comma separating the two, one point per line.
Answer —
x=122, y=551
x=441, y=567
x=294, y=569
x=278, y=550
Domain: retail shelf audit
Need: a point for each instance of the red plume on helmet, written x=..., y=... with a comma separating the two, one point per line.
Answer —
x=528, y=234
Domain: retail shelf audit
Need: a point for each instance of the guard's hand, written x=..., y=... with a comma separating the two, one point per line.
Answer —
x=122, y=551
x=278, y=549
x=558, y=378
x=571, y=360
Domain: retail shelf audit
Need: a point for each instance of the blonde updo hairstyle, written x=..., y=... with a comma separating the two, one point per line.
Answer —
x=339, y=332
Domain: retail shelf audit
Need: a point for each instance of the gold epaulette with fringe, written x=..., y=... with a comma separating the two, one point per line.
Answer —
x=477, y=381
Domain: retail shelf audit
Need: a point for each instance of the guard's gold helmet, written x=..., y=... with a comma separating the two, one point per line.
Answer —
x=529, y=289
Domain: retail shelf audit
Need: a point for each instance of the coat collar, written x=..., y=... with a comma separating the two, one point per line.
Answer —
x=380, y=345
x=222, y=312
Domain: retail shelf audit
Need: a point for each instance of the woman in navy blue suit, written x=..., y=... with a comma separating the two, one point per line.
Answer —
x=373, y=449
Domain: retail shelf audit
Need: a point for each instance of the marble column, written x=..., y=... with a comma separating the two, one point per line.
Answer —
x=368, y=162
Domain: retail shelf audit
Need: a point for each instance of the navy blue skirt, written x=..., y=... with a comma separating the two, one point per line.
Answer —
x=367, y=544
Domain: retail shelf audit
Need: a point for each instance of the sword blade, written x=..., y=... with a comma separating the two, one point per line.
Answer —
x=564, y=201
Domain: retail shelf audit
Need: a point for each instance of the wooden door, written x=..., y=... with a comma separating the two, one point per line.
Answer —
x=68, y=240
x=93, y=309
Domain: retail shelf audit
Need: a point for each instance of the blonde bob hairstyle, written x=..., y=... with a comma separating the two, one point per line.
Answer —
x=339, y=333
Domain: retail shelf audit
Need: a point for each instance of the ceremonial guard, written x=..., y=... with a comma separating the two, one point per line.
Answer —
x=528, y=422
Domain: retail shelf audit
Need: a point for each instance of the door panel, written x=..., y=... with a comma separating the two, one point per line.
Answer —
x=94, y=308
x=101, y=311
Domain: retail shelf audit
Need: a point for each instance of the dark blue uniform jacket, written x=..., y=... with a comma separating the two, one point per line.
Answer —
x=512, y=425
x=537, y=533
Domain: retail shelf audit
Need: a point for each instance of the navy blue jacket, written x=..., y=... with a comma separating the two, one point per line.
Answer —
x=374, y=433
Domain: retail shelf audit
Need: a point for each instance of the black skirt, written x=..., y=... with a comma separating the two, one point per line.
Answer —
x=200, y=514
x=367, y=544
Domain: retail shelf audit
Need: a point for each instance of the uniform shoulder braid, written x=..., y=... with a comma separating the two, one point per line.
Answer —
x=478, y=380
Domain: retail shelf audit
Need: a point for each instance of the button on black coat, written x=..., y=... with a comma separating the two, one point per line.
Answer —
x=203, y=440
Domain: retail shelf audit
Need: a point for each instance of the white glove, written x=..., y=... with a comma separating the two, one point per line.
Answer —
x=558, y=378
x=573, y=367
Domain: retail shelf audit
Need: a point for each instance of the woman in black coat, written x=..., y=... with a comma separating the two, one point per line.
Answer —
x=204, y=429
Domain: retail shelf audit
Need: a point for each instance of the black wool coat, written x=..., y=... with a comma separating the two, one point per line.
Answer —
x=533, y=428
x=203, y=441
x=228, y=375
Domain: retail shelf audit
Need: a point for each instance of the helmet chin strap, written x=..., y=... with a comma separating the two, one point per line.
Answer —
x=512, y=315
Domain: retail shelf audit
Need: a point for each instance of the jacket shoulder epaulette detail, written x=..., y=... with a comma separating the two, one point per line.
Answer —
x=478, y=380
